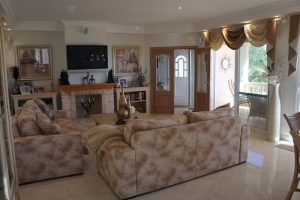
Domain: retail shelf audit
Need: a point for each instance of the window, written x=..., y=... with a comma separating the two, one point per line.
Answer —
x=181, y=70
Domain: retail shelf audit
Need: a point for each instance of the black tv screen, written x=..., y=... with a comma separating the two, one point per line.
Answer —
x=86, y=57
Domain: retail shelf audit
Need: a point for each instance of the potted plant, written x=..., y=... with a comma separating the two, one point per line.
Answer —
x=141, y=79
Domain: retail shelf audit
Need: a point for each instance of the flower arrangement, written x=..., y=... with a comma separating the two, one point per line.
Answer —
x=275, y=73
x=141, y=79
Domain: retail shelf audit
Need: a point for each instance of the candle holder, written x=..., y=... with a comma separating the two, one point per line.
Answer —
x=87, y=105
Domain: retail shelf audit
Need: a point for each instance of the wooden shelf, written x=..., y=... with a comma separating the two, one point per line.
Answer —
x=139, y=98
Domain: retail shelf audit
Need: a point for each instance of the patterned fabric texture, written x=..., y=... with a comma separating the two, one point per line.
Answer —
x=50, y=149
x=208, y=115
x=47, y=156
x=45, y=124
x=27, y=119
x=117, y=167
x=42, y=105
x=134, y=125
x=100, y=136
x=161, y=157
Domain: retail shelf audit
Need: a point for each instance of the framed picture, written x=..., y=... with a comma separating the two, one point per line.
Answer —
x=123, y=81
x=25, y=89
x=35, y=62
x=125, y=60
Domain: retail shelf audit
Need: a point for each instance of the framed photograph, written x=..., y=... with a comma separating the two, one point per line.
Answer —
x=123, y=81
x=35, y=62
x=25, y=89
x=125, y=60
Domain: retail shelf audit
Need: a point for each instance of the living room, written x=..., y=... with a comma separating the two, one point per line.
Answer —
x=73, y=26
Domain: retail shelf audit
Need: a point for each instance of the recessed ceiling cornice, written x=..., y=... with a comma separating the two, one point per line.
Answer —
x=260, y=12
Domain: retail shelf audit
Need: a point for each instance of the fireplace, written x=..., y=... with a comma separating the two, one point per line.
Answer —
x=71, y=96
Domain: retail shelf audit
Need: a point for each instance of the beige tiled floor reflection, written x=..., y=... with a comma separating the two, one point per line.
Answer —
x=266, y=175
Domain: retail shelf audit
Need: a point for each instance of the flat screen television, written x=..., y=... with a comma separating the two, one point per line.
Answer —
x=81, y=57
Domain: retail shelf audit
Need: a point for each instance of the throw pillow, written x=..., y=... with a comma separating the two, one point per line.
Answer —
x=135, y=125
x=227, y=105
x=27, y=122
x=209, y=115
x=45, y=124
x=41, y=104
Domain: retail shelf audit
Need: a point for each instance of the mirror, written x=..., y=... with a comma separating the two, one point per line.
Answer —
x=162, y=72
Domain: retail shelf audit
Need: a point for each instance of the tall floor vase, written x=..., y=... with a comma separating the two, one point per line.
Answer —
x=274, y=114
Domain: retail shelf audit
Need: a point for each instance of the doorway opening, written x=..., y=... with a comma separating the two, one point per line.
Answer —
x=184, y=83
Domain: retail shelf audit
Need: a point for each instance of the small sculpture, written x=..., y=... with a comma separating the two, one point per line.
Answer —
x=110, y=78
x=92, y=80
x=64, y=78
x=86, y=78
x=87, y=105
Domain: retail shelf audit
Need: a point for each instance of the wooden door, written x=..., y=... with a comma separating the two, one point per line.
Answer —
x=202, y=79
x=162, y=80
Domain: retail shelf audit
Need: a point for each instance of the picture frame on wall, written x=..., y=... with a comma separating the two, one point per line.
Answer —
x=34, y=61
x=125, y=60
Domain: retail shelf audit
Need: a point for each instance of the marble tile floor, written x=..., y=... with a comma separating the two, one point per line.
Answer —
x=266, y=175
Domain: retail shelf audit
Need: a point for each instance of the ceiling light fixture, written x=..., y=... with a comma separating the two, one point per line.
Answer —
x=8, y=29
x=179, y=7
x=4, y=23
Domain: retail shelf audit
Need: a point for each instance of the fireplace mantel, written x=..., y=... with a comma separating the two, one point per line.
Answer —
x=69, y=93
x=82, y=87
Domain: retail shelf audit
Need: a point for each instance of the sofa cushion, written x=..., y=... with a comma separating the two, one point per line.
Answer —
x=45, y=124
x=14, y=123
x=135, y=125
x=41, y=104
x=209, y=115
x=27, y=119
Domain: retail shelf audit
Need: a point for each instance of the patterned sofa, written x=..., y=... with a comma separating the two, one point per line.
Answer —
x=160, y=153
x=46, y=143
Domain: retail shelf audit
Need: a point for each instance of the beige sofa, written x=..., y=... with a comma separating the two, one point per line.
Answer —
x=46, y=143
x=160, y=153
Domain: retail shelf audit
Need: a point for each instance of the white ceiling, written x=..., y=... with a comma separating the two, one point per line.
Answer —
x=146, y=12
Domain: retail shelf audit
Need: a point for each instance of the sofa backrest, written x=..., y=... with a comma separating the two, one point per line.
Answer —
x=135, y=125
x=209, y=115
x=174, y=154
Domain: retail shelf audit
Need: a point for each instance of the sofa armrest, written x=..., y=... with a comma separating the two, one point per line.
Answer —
x=245, y=131
x=58, y=114
x=117, y=167
x=47, y=156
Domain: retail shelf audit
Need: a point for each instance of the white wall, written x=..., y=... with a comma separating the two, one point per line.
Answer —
x=288, y=84
x=58, y=41
x=54, y=39
x=221, y=77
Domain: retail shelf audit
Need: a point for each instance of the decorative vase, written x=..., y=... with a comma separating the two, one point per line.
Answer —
x=274, y=114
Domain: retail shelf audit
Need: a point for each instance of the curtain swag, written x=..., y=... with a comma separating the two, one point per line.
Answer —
x=216, y=40
x=256, y=34
x=234, y=38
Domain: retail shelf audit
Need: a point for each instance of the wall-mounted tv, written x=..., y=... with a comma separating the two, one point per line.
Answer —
x=81, y=57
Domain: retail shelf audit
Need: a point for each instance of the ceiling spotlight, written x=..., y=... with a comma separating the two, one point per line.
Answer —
x=179, y=7
x=8, y=29
x=4, y=23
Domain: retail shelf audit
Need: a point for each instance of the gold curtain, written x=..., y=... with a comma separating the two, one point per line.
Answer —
x=256, y=34
x=293, y=43
x=234, y=38
x=216, y=39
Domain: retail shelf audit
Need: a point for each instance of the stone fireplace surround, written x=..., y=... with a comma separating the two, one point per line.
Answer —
x=69, y=93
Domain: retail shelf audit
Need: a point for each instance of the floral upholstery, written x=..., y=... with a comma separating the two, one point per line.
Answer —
x=44, y=149
x=208, y=115
x=47, y=156
x=161, y=157
x=136, y=125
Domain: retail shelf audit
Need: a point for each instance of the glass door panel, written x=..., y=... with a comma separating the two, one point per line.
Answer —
x=162, y=72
